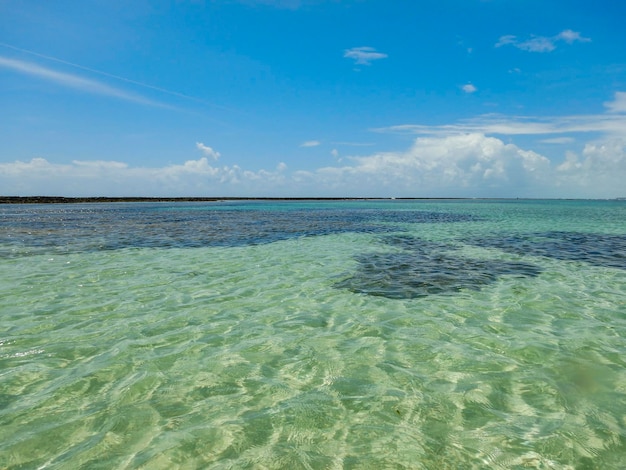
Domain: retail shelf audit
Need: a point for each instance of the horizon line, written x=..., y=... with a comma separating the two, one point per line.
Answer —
x=106, y=199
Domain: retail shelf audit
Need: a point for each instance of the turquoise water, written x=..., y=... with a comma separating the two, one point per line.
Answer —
x=314, y=335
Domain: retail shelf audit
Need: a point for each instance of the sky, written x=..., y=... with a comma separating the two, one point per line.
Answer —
x=313, y=98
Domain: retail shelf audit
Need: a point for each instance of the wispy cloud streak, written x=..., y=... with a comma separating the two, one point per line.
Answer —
x=73, y=81
x=611, y=123
x=542, y=43
x=364, y=55
x=310, y=143
x=110, y=75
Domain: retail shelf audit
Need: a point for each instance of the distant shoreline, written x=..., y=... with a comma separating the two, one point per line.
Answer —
x=105, y=199
x=75, y=200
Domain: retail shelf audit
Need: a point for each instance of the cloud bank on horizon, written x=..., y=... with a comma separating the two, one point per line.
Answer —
x=419, y=117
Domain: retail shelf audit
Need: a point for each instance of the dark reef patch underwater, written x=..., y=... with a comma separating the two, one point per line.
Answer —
x=91, y=227
x=594, y=248
x=424, y=268
x=416, y=269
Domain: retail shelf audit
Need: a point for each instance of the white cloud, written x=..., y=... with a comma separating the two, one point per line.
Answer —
x=461, y=165
x=618, y=105
x=100, y=164
x=537, y=44
x=463, y=159
x=454, y=165
x=114, y=77
x=541, y=43
x=83, y=178
x=72, y=81
x=570, y=36
x=310, y=143
x=505, y=40
x=611, y=124
x=364, y=55
x=558, y=140
x=600, y=170
x=469, y=88
x=208, y=151
x=474, y=165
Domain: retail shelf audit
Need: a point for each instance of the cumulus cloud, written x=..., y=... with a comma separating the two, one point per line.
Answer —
x=570, y=36
x=461, y=165
x=364, y=55
x=475, y=165
x=463, y=159
x=600, y=170
x=310, y=143
x=109, y=178
x=208, y=151
x=541, y=43
x=469, y=88
x=452, y=165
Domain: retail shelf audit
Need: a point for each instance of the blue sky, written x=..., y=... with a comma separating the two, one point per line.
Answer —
x=364, y=98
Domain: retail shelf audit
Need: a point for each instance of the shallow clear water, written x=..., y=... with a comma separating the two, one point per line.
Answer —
x=326, y=335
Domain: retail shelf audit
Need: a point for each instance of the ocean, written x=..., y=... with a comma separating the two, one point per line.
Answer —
x=374, y=334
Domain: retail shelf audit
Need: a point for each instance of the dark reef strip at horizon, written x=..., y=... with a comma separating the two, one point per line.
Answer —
x=106, y=199
x=109, y=199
